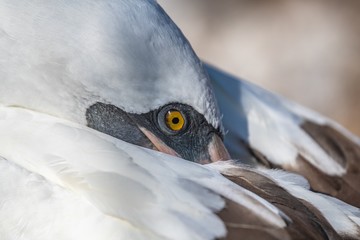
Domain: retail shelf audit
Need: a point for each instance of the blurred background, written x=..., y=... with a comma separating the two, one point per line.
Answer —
x=307, y=51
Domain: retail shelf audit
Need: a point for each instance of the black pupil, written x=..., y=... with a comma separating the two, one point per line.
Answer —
x=175, y=120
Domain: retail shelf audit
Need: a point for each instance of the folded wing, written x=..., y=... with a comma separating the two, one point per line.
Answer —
x=60, y=180
x=263, y=127
x=311, y=215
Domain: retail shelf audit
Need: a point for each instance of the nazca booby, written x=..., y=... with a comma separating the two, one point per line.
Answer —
x=125, y=70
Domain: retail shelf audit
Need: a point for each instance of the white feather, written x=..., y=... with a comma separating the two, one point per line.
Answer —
x=140, y=193
x=271, y=124
x=76, y=53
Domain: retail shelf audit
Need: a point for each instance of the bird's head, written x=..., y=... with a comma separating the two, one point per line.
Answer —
x=121, y=67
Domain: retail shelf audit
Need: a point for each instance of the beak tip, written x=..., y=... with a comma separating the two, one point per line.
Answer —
x=217, y=150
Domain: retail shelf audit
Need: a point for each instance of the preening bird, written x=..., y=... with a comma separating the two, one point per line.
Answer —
x=102, y=103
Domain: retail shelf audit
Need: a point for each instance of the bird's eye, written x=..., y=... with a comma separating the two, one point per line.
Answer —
x=174, y=120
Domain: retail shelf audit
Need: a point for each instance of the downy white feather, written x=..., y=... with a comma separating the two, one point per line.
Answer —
x=70, y=171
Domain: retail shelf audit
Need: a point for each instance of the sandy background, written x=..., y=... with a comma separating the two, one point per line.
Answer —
x=308, y=51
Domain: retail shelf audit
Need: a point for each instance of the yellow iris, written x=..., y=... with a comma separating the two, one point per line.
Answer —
x=174, y=120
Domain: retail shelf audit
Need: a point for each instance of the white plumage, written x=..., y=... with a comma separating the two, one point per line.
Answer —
x=61, y=180
x=271, y=124
x=76, y=53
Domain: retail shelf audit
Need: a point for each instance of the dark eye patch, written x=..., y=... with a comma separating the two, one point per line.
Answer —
x=191, y=142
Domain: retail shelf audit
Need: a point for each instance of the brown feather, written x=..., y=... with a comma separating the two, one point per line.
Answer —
x=306, y=222
x=345, y=152
x=241, y=223
x=341, y=149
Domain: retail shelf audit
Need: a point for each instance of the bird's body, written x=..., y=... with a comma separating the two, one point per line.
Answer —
x=66, y=181
x=85, y=85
